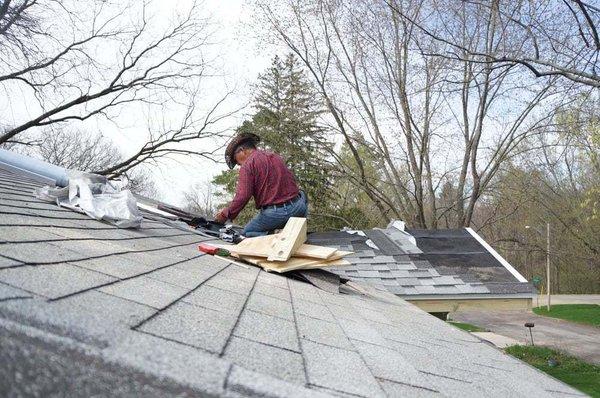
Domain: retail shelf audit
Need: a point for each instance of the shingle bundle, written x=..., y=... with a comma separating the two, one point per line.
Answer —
x=286, y=251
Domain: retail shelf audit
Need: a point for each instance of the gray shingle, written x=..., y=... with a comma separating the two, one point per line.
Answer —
x=185, y=279
x=424, y=360
x=446, y=290
x=421, y=274
x=409, y=282
x=304, y=291
x=375, y=316
x=200, y=265
x=452, y=387
x=119, y=266
x=390, y=282
x=245, y=383
x=340, y=312
x=272, y=291
x=323, y=332
x=401, y=274
x=270, y=306
x=267, y=329
x=361, y=330
x=34, y=253
x=339, y=370
x=393, y=389
x=162, y=358
x=272, y=279
x=388, y=364
x=192, y=325
x=369, y=274
x=146, y=291
x=216, y=299
x=258, y=357
x=24, y=234
x=233, y=285
x=7, y=292
x=113, y=310
x=425, y=289
x=445, y=280
x=53, y=280
x=303, y=307
x=233, y=271
x=7, y=262
x=381, y=267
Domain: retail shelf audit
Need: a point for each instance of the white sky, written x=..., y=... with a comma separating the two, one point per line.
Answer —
x=242, y=59
x=236, y=55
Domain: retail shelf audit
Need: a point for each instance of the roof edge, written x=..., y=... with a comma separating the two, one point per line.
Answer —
x=496, y=255
x=466, y=296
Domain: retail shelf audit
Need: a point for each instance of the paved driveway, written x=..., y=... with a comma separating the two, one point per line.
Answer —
x=579, y=340
x=572, y=299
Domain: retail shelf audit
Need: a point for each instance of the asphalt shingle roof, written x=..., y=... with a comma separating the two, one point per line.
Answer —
x=423, y=263
x=86, y=309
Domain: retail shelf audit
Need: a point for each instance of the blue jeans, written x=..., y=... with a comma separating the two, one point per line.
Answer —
x=271, y=218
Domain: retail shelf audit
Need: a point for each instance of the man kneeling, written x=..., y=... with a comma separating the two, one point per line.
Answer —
x=265, y=176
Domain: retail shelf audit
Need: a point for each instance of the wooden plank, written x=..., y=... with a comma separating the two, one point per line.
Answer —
x=290, y=265
x=314, y=251
x=296, y=263
x=262, y=246
x=289, y=240
x=229, y=260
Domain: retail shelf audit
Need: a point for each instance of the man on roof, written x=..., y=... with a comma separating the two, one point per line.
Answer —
x=264, y=176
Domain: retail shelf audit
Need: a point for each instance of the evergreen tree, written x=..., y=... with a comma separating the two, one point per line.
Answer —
x=287, y=110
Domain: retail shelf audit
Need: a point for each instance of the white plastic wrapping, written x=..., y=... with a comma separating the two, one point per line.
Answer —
x=95, y=196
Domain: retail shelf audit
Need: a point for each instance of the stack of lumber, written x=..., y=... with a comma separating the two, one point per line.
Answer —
x=286, y=251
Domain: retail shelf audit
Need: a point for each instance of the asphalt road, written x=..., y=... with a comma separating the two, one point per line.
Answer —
x=571, y=299
x=581, y=341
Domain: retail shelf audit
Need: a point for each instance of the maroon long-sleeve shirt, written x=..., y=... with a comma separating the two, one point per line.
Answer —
x=265, y=176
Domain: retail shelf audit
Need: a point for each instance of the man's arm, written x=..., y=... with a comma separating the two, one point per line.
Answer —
x=243, y=193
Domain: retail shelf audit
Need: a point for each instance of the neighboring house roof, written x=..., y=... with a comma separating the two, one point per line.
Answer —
x=424, y=264
x=87, y=308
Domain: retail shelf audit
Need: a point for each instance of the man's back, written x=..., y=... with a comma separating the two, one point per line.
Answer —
x=272, y=181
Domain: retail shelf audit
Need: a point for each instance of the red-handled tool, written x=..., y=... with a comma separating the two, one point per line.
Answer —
x=213, y=250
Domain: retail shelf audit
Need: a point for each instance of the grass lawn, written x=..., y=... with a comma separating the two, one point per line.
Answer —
x=467, y=326
x=581, y=375
x=588, y=314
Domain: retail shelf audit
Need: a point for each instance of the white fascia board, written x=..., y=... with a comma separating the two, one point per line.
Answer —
x=497, y=256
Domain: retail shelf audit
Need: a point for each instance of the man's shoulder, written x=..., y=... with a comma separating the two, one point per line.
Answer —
x=261, y=155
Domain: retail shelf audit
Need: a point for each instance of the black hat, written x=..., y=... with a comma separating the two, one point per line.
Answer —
x=240, y=139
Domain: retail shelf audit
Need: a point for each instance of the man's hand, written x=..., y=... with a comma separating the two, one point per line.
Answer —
x=220, y=217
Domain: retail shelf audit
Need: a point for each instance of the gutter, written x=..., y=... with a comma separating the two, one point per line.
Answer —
x=465, y=296
x=38, y=170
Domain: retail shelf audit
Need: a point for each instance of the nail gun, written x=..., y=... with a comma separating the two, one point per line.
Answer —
x=230, y=234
